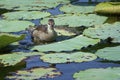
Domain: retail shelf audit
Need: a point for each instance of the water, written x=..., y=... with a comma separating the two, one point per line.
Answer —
x=67, y=69
x=93, y=0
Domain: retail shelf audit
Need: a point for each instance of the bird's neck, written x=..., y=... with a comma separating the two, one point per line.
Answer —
x=50, y=28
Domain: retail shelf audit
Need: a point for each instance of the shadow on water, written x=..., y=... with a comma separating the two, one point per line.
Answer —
x=98, y=46
x=7, y=70
x=6, y=50
x=112, y=19
x=4, y=11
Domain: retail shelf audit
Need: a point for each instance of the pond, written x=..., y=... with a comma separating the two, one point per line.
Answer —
x=86, y=41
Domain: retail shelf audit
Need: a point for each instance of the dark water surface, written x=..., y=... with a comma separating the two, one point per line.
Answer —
x=67, y=69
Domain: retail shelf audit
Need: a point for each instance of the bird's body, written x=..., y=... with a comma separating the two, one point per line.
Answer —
x=44, y=33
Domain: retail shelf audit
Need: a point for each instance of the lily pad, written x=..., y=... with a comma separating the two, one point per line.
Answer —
x=105, y=31
x=109, y=53
x=67, y=45
x=108, y=8
x=63, y=32
x=64, y=57
x=98, y=74
x=30, y=4
x=27, y=15
x=35, y=73
x=77, y=9
x=6, y=39
x=14, y=58
x=13, y=26
x=74, y=20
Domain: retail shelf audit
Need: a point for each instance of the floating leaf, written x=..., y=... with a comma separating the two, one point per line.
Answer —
x=67, y=45
x=109, y=53
x=28, y=15
x=74, y=20
x=13, y=26
x=105, y=31
x=14, y=58
x=98, y=74
x=64, y=32
x=77, y=9
x=6, y=39
x=30, y=4
x=35, y=73
x=64, y=57
x=108, y=7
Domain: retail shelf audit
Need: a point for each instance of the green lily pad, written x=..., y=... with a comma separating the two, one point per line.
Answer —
x=105, y=31
x=67, y=45
x=30, y=4
x=77, y=9
x=109, y=53
x=98, y=74
x=63, y=32
x=74, y=20
x=14, y=58
x=64, y=57
x=108, y=8
x=35, y=73
x=6, y=39
x=27, y=15
x=13, y=26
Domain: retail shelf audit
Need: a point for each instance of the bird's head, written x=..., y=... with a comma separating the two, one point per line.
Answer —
x=51, y=23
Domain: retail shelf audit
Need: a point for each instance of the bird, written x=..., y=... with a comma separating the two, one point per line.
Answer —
x=44, y=33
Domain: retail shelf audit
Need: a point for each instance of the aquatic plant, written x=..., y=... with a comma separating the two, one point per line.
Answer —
x=108, y=8
x=74, y=43
x=12, y=59
x=25, y=15
x=30, y=4
x=77, y=9
x=105, y=31
x=6, y=39
x=14, y=25
x=68, y=57
x=63, y=32
x=76, y=20
x=98, y=74
x=109, y=53
x=35, y=73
